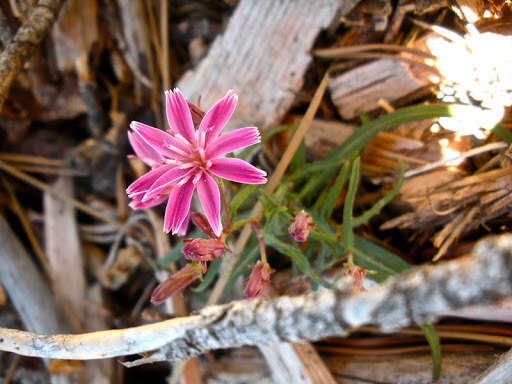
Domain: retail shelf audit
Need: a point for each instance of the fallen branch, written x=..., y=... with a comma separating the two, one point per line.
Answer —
x=418, y=296
x=24, y=43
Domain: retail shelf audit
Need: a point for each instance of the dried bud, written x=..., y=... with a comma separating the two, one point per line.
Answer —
x=176, y=282
x=258, y=280
x=201, y=222
x=203, y=250
x=299, y=229
x=196, y=112
x=357, y=274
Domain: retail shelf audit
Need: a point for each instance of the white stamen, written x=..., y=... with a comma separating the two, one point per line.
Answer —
x=182, y=139
x=170, y=161
x=208, y=164
x=202, y=138
x=187, y=165
x=177, y=150
x=201, y=154
x=184, y=180
x=197, y=177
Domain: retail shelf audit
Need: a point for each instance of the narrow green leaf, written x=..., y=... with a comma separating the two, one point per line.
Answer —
x=435, y=346
x=375, y=210
x=503, y=133
x=389, y=260
x=173, y=255
x=348, y=236
x=208, y=278
x=367, y=131
x=249, y=256
x=241, y=196
x=334, y=191
x=299, y=159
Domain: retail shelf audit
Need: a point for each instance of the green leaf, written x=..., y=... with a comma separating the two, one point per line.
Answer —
x=367, y=131
x=375, y=257
x=375, y=210
x=503, y=133
x=241, y=196
x=210, y=275
x=299, y=159
x=435, y=346
x=315, y=183
x=348, y=235
x=248, y=256
x=173, y=255
x=334, y=192
x=293, y=253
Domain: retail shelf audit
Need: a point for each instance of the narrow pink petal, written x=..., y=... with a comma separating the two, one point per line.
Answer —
x=178, y=115
x=144, y=151
x=138, y=204
x=178, y=206
x=169, y=177
x=182, y=230
x=217, y=117
x=143, y=183
x=159, y=140
x=231, y=141
x=237, y=170
x=209, y=196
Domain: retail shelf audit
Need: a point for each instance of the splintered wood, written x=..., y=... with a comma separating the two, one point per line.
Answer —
x=267, y=66
x=458, y=203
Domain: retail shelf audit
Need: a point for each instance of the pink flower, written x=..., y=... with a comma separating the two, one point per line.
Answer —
x=299, y=229
x=259, y=279
x=176, y=282
x=185, y=159
x=203, y=250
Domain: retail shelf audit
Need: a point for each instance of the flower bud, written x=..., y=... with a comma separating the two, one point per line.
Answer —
x=357, y=274
x=299, y=229
x=201, y=222
x=177, y=282
x=203, y=250
x=259, y=279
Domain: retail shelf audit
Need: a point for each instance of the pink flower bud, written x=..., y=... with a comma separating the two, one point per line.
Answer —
x=357, y=274
x=259, y=279
x=299, y=229
x=201, y=222
x=176, y=283
x=203, y=250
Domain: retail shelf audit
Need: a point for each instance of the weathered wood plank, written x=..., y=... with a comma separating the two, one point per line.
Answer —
x=263, y=55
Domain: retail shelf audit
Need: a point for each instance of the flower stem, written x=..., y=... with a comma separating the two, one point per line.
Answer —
x=224, y=203
x=261, y=240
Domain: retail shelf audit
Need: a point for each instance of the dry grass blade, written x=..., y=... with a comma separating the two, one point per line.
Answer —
x=340, y=52
x=45, y=187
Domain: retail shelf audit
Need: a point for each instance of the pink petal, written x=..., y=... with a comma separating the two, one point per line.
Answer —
x=143, y=183
x=237, y=170
x=209, y=196
x=178, y=115
x=231, y=141
x=178, y=206
x=136, y=203
x=160, y=141
x=144, y=151
x=182, y=230
x=169, y=177
x=217, y=117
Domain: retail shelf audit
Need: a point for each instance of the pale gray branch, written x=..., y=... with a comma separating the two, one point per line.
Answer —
x=417, y=296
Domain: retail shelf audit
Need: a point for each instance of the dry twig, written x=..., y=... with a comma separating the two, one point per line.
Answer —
x=24, y=43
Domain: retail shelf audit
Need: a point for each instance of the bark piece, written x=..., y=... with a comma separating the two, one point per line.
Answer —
x=263, y=55
x=360, y=89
